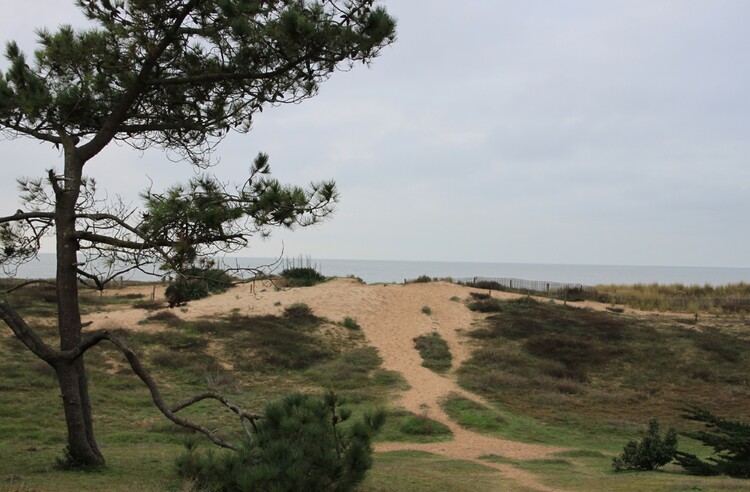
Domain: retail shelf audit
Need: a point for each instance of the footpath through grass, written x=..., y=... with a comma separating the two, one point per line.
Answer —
x=583, y=380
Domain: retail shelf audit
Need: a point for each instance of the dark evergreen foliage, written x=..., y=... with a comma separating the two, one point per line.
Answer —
x=303, y=443
x=730, y=440
x=652, y=452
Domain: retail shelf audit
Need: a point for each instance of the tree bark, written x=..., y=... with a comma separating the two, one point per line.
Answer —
x=71, y=375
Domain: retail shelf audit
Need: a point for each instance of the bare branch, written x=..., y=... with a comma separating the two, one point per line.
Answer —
x=156, y=397
x=7, y=126
x=20, y=215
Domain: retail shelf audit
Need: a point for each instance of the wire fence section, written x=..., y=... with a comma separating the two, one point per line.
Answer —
x=560, y=290
x=672, y=301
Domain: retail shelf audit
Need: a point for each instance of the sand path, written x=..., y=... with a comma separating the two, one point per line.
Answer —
x=390, y=316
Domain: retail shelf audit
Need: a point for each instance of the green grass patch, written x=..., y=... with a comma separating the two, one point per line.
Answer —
x=473, y=415
x=414, y=471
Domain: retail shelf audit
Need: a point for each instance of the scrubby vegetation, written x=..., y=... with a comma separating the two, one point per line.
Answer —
x=250, y=359
x=598, y=370
x=197, y=283
x=301, y=273
x=350, y=323
x=434, y=351
x=587, y=381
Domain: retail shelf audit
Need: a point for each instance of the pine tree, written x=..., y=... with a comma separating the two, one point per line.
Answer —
x=179, y=75
x=730, y=440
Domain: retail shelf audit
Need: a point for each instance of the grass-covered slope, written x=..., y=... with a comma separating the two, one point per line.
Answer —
x=602, y=372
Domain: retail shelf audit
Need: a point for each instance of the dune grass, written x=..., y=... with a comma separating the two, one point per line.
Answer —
x=602, y=374
x=731, y=298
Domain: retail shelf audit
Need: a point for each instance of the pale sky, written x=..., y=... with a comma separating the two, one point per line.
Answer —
x=565, y=131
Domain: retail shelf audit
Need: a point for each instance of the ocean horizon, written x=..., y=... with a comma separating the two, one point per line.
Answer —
x=397, y=271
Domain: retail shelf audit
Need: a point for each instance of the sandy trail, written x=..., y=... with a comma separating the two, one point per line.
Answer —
x=390, y=316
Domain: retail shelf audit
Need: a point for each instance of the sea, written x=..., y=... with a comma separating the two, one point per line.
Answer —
x=387, y=271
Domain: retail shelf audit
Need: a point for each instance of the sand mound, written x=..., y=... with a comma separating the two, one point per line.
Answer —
x=390, y=316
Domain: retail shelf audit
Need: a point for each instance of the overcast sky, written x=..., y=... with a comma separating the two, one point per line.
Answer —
x=578, y=132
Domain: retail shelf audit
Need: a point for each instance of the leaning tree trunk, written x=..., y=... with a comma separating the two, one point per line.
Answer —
x=71, y=374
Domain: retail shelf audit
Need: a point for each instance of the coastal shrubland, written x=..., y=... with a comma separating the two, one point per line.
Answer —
x=595, y=370
x=539, y=373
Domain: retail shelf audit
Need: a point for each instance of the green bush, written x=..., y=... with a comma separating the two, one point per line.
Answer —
x=434, y=350
x=350, y=323
x=197, y=283
x=299, y=445
x=652, y=452
x=427, y=310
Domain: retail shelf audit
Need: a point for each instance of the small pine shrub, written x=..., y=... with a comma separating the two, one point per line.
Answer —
x=350, y=323
x=426, y=310
x=650, y=453
x=299, y=445
x=422, y=279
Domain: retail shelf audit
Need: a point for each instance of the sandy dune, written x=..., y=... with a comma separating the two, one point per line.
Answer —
x=390, y=316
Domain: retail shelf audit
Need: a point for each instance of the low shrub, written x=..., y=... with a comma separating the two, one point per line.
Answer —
x=299, y=445
x=434, y=351
x=298, y=310
x=196, y=283
x=427, y=310
x=302, y=276
x=486, y=305
x=652, y=452
x=350, y=323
